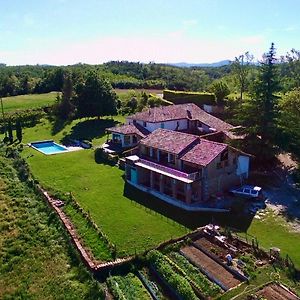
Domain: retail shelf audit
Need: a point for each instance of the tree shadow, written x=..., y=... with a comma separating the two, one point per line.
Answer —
x=188, y=219
x=58, y=125
x=89, y=129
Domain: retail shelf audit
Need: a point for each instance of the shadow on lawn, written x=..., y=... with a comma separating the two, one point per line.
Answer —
x=191, y=220
x=89, y=129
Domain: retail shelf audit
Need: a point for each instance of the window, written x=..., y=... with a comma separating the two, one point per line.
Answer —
x=144, y=124
x=247, y=191
x=162, y=125
x=116, y=138
x=253, y=192
x=219, y=165
x=172, y=159
x=134, y=139
x=126, y=140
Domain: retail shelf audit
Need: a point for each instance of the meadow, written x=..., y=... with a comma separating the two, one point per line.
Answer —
x=30, y=101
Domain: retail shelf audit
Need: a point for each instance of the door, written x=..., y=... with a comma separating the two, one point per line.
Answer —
x=133, y=176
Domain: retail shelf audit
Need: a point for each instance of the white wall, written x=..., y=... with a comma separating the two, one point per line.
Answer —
x=171, y=125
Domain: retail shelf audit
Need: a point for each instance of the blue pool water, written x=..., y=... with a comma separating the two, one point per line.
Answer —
x=49, y=147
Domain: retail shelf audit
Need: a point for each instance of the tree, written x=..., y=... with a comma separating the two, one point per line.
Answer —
x=10, y=132
x=292, y=64
x=19, y=131
x=96, y=97
x=289, y=121
x=64, y=108
x=132, y=104
x=220, y=89
x=257, y=115
x=241, y=67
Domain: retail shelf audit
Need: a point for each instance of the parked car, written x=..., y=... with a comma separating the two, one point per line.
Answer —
x=248, y=191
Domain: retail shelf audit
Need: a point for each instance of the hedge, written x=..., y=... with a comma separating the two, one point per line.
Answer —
x=181, y=97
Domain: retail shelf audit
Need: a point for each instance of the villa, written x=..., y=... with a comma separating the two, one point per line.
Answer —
x=184, y=169
x=187, y=118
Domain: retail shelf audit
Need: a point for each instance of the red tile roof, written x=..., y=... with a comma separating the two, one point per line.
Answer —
x=204, y=152
x=170, y=141
x=189, y=147
x=129, y=129
x=181, y=111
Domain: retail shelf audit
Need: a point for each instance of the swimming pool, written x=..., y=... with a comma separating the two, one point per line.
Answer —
x=48, y=147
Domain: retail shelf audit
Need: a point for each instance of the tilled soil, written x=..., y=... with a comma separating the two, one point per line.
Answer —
x=276, y=292
x=204, y=262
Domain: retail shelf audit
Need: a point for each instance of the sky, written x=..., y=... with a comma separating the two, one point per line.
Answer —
x=62, y=32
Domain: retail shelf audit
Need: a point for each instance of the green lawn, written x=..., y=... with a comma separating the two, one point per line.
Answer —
x=22, y=102
x=273, y=231
x=99, y=188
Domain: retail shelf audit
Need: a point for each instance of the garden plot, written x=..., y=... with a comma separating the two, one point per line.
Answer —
x=276, y=291
x=211, y=268
x=127, y=287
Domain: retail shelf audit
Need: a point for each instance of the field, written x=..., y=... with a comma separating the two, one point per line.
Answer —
x=23, y=102
x=99, y=188
x=36, y=259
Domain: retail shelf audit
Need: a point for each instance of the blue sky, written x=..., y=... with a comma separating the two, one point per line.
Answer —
x=71, y=31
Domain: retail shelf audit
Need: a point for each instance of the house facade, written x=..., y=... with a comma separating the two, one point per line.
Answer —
x=187, y=118
x=183, y=168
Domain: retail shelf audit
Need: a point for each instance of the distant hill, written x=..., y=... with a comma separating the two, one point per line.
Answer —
x=212, y=65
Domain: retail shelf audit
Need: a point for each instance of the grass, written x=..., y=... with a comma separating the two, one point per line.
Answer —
x=90, y=237
x=274, y=231
x=36, y=259
x=30, y=101
x=99, y=189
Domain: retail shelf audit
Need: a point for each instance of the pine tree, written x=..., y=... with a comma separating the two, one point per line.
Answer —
x=65, y=108
x=257, y=115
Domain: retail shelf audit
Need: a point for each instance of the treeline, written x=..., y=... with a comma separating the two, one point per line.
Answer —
x=18, y=80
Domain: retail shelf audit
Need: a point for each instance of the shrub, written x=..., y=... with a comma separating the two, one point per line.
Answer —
x=180, y=97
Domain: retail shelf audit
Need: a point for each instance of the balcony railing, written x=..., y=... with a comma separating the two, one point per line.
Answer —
x=190, y=176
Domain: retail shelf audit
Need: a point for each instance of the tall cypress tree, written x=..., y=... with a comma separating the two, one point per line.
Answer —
x=10, y=132
x=19, y=131
x=257, y=115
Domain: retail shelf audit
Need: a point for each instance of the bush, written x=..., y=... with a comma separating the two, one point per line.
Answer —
x=180, y=97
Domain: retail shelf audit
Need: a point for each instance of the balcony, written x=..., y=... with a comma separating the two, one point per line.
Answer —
x=176, y=173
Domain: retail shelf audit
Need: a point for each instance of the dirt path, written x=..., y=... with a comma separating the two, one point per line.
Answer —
x=210, y=266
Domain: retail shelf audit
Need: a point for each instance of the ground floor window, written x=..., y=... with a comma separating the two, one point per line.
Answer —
x=116, y=138
x=126, y=140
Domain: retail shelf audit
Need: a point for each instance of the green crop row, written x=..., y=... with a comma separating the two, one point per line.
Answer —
x=206, y=287
x=127, y=287
x=176, y=281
